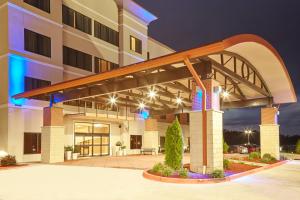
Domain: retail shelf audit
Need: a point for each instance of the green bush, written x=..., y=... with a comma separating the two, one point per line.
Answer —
x=225, y=147
x=174, y=146
x=297, y=150
x=157, y=168
x=8, y=161
x=268, y=158
x=183, y=173
x=218, y=174
x=226, y=163
x=167, y=171
x=254, y=155
x=68, y=148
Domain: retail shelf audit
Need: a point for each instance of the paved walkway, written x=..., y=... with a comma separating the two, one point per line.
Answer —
x=129, y=162
x=57, y=182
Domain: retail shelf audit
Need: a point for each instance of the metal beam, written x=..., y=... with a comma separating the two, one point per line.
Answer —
x=247, y=103
x=237, y=77
x=127, y=84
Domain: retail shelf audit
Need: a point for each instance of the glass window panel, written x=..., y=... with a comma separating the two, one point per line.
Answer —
x=104, y=150
x=97, y=150
x=101, y=128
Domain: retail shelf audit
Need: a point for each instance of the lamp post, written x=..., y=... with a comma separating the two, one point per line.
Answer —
x=248, y=132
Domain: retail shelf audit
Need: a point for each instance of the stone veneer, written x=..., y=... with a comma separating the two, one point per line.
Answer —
x=214, y=141
x=150, y=137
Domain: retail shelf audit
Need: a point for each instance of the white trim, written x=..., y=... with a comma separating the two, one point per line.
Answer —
x=74, y=73
x=132, y=29
x=9, y=105
x=34, y=14
x=3, y=5
x=134, y=20
x=93, y=42
x=94, y=12
x=133, y=56
x=37, y=62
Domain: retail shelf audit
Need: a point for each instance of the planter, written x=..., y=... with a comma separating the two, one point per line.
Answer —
x=75, y=156
x=124, y=152
x=68, y=155
x=115, y=150
x=119, y=153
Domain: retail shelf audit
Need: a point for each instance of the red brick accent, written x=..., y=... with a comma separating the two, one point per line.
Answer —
x=53, y=116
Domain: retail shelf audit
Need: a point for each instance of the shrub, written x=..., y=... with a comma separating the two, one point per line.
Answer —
x=183, y=173
x=157, y=168
x=174, y=146
x=76, y=149
x=8, y=161
x=226, y=163
x=225, y=147
x=254, y=155
x=118, y=144
x=268, y=158
x=68, y=148
x=167, y=171
x=297, y=150
x=217, y=174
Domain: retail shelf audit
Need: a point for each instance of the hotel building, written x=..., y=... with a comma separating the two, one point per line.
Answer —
x=44, y=42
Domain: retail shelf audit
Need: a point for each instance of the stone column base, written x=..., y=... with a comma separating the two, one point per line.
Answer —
x=52, y=144
x=214, y=141
x=269, y=140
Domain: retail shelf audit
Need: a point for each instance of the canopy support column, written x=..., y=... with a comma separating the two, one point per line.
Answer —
x=269, y=132
x=53, y=135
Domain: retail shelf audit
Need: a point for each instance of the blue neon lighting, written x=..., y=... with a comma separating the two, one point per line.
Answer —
x=17, y=71
x=145, y=114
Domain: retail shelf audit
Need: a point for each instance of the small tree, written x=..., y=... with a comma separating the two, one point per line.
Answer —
x=297, y=150
x=174, y=146
x=225, y=147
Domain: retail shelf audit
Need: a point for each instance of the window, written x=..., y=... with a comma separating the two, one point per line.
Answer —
x=135, y=45
x=34, y=83
x=135, y=141
x=76, y=20
x=105, y=33
x=102, y=65
x=37, y=43
x=40, y=4
x=32, y=143
x=77, y=59
x=68, y=16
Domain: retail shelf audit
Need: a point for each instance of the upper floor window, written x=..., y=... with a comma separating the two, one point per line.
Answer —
x=135, y=44
x=105, y=33
x=102, y=65
x=77, y=59
x=77, y=20
x=40, y=4
x=37, y=43
x=34, y=83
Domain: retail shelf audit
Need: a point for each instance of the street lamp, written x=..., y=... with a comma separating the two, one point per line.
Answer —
x=248, y=132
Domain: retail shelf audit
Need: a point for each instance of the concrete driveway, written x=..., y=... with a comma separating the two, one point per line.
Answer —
x=43, y=182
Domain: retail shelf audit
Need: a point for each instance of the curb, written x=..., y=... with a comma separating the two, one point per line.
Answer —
x=152, y=177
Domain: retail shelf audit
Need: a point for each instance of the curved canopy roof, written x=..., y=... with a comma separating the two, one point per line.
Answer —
x=245, y=65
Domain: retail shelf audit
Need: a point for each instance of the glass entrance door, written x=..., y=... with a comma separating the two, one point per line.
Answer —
x=92, y=139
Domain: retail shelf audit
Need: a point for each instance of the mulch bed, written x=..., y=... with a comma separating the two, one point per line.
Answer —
x=255, y=160
x=234, y=168
x=12, y=167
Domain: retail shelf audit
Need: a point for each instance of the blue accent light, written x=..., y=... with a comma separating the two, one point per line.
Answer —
x=17, y=71
x=145, y=114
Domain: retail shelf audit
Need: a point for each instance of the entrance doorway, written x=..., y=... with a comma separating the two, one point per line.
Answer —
x=92, y=139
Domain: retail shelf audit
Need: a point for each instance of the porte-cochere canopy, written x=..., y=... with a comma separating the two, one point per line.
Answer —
x=246, y=66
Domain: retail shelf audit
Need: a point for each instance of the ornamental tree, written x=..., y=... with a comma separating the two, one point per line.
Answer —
x=174, y=146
